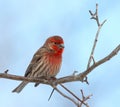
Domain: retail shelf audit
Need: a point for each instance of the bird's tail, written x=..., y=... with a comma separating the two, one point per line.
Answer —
x=19, y=88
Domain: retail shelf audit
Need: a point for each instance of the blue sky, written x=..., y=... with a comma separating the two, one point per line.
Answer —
x=25, y=25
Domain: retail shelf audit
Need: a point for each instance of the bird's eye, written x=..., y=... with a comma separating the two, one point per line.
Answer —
x=55, y=42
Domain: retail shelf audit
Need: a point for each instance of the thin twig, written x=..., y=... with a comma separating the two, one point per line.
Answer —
x=85, y=98
x=68, y=92
x=69, y=98
x=86, y=80
x=6, y=71
x=105, y=59
x=95, y=15
x=51, y=94
x=71, y=93
x=75, y=102
x=96, y=18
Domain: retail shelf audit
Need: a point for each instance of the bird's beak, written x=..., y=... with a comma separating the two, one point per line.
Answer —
x=62, y=46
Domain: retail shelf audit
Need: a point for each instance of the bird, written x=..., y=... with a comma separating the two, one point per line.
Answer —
x=46, y=62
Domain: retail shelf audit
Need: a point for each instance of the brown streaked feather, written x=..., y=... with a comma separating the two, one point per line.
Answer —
x=34, y=62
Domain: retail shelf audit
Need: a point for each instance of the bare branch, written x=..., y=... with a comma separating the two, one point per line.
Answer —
x=85, y=98
x=79, y=77
x=105, y=59
x=96, y=18
x=22, y=78
x=51, y=94
x=86, y=80
x=95, y=15
x=71, y=93
x=69, y=98
x=82, y=102
x=6, y=71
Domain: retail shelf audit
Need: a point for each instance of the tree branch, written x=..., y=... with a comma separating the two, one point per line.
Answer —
x=61, y=93
x=96, y=18
x=81, y=76
x=71, y=78
x=78, y=102
x=85, y=98
x=22, y=78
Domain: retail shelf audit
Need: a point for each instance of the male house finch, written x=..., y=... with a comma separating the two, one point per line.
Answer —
x=46, y=61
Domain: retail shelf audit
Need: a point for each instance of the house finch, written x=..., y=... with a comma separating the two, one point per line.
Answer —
x=46, y=61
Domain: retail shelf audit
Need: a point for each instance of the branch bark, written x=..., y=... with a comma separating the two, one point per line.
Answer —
x=71, y=78
x=96, y=18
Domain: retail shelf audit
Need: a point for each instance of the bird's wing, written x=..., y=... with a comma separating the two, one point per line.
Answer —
x=37, y=56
